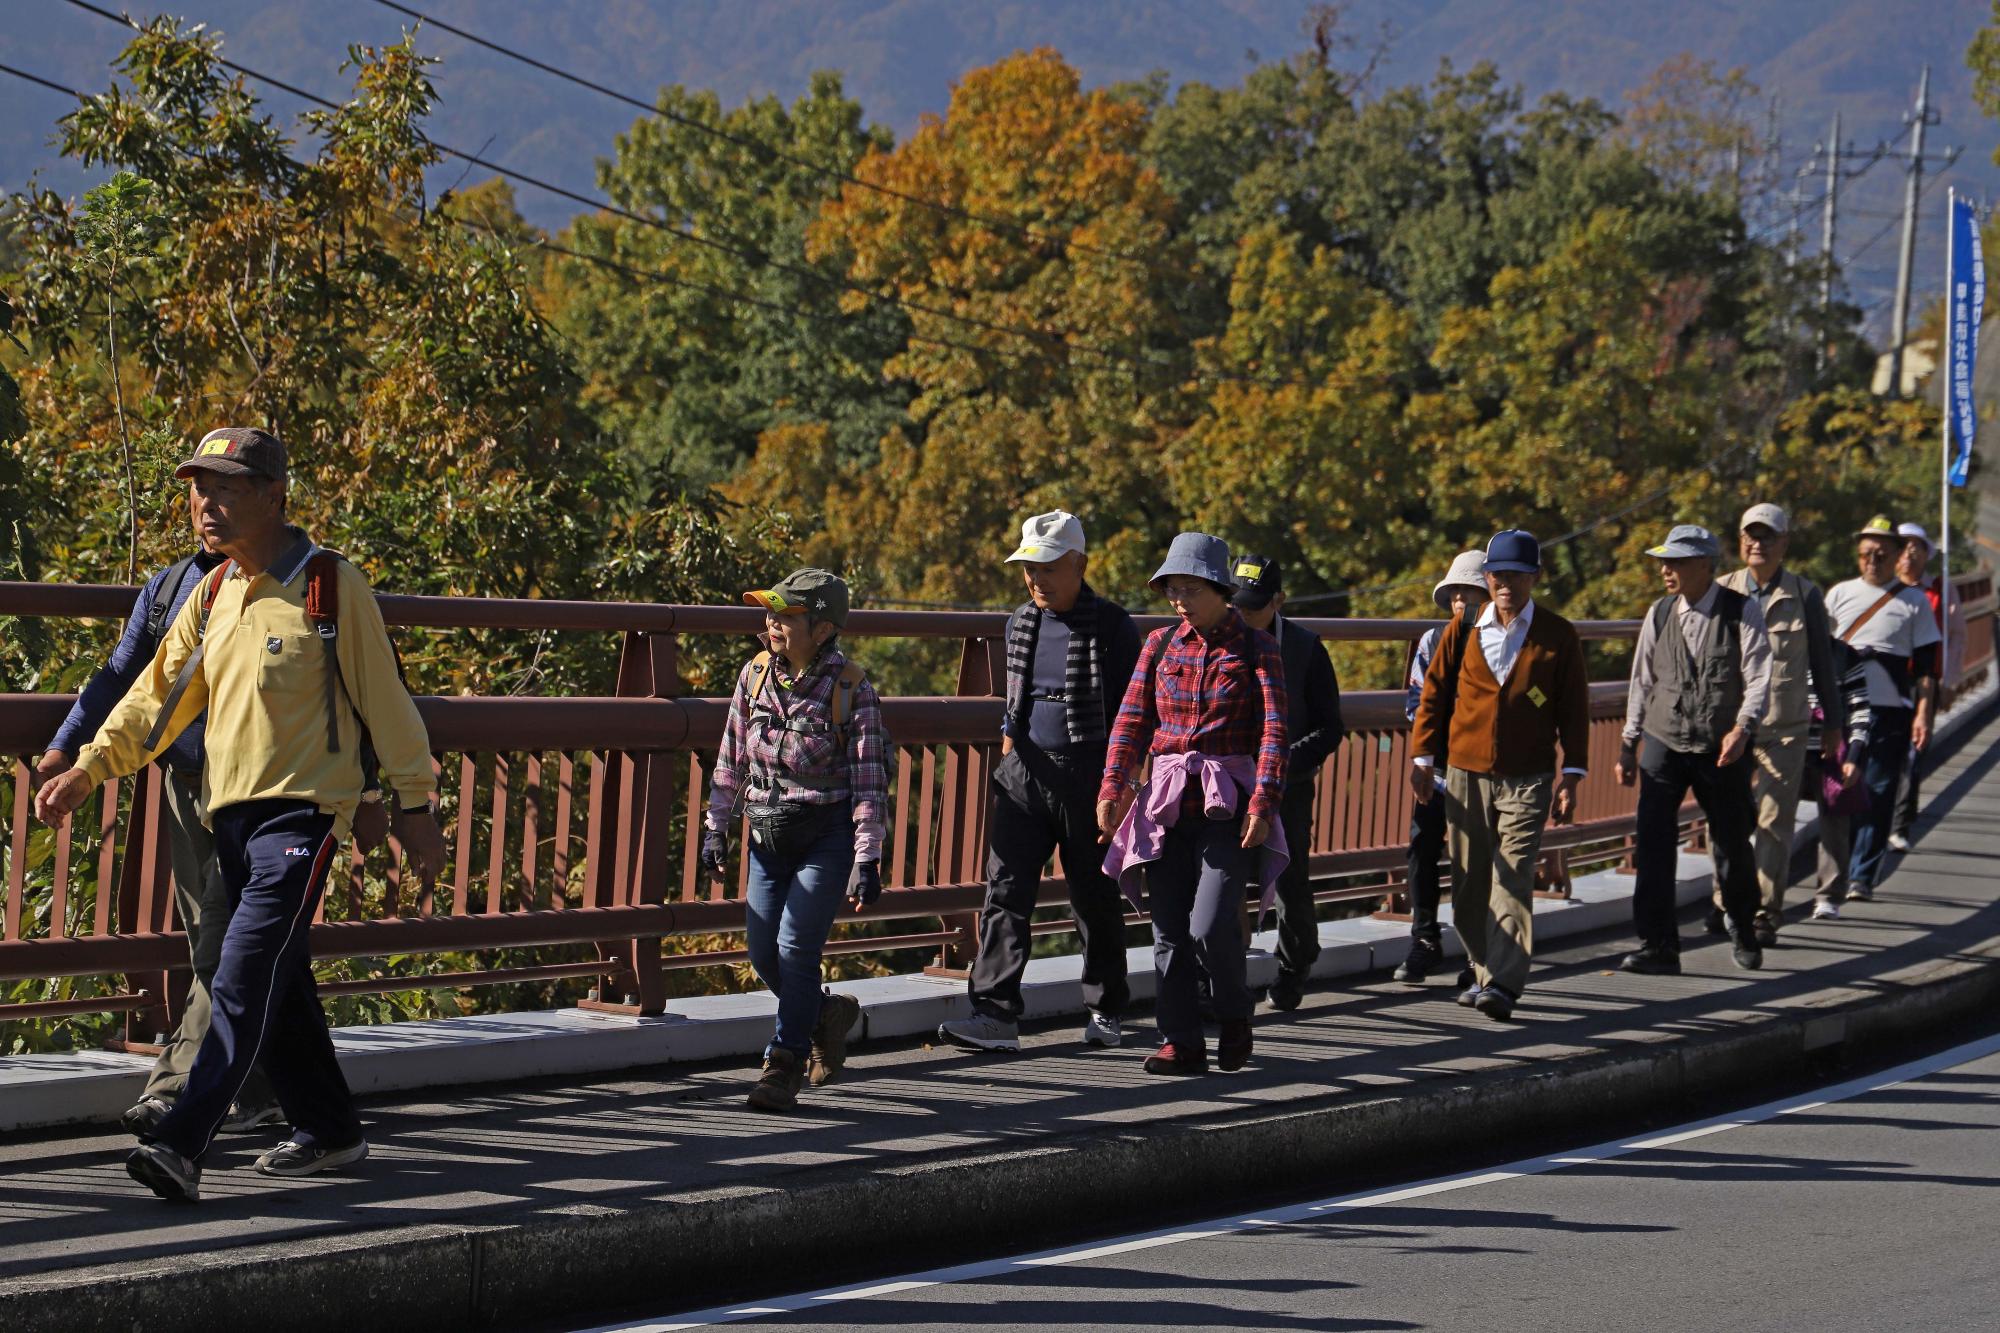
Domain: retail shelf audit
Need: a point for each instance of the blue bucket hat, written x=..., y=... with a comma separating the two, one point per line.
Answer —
x=1200, y=556
x=1688, y=541
x=1514, y=551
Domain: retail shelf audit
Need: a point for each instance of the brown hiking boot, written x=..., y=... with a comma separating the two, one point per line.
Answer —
x=778, y=1090
x=837, y=1015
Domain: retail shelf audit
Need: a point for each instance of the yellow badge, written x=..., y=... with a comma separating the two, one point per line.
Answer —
x=213, y=447
x=1247, y=570
x=1536, y=697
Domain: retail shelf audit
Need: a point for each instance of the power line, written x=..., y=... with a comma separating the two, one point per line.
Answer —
x=755, y=258
x=759, y=146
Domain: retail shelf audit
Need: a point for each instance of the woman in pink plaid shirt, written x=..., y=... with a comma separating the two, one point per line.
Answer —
x=1207, y=704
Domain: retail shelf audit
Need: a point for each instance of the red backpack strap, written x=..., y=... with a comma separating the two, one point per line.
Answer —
x=323, y=610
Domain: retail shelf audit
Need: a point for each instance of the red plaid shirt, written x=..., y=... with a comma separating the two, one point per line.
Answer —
x=1218, y=694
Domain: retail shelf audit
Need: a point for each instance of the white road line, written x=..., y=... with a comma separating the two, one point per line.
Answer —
x=1532, y=1166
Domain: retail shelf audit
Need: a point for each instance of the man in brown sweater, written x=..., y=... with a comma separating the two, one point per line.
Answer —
x=1500, y=694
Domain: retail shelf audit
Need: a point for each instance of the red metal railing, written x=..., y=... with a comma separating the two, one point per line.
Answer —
x=574, y=821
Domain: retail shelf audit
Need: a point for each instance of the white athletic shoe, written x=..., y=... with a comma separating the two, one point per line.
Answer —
x=1103, y=1030
x=1898, y=843
x=1825, y=911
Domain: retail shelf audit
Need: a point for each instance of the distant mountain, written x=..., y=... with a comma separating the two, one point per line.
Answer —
x=899, y=57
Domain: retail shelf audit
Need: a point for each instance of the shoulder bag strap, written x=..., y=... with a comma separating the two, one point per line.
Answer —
x=1847, y=635
x=193, y=664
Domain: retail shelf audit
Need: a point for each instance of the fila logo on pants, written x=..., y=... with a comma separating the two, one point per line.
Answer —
x=298, y=851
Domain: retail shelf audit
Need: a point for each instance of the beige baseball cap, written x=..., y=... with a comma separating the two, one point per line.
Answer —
x=1769, y=515
x=1047, y=537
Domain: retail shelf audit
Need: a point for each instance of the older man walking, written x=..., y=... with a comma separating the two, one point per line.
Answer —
x=1802, y=668
x=1701, y=677
x=1497, y=715
x=1315, y=729
x=284, y=648
x=1913, y=568
x=1070, y=654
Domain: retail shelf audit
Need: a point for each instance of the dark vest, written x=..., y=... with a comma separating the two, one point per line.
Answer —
x=1694, y=703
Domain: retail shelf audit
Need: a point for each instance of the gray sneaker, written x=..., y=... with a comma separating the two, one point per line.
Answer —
x=165, y=1172
x=981, y=1032
x=242, y=1120
x=291, y=1158
x=145, y=1115
x=1103, y=1030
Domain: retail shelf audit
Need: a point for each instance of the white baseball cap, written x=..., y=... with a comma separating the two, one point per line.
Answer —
x=1769, y=515
x=1915, y=532
x=1047, y=537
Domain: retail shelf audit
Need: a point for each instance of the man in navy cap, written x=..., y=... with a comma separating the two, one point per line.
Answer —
x=1316, y=731
x=1701, y=677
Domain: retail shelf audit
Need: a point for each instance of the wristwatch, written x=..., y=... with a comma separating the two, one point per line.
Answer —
x=373, y=796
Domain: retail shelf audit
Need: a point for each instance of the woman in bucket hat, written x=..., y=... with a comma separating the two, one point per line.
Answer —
x=802, y=757
x=1207, y=703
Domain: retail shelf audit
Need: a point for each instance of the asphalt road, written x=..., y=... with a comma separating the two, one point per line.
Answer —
x=1873, y=1204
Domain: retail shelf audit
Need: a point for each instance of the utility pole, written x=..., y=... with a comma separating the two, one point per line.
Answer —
x=1899, y=328
x=1826, y=226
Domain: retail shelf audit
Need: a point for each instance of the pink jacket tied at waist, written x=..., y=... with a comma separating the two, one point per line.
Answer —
x=1226, y=784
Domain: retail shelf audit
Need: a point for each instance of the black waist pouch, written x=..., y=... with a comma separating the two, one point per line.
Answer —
x=789, y=829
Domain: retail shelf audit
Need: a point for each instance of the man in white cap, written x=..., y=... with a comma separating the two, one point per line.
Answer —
x=1891, y=628
x=1460, y=594
x=1701, y=676
x=1913, y=568
x=1802, y=668
x=1070, y=653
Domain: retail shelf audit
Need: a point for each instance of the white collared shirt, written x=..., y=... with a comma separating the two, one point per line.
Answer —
x=1501, y=644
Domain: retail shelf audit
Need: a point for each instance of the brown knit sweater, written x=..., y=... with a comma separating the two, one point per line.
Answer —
x=1504, y=729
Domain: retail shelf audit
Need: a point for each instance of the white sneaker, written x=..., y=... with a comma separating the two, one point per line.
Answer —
x=1898, y=843
x=1103, y=1030
x=981, y=1032
x=1825, y=911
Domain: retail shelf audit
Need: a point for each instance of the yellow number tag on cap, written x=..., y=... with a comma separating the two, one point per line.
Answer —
x=213, y=447
x=1249, y=571
x=1536, y=697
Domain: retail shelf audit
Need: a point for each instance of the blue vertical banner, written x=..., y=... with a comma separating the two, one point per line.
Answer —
x=1966, y=301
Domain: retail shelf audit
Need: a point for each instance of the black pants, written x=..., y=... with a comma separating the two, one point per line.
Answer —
x=1195, y=892
x=1665, y=778
x=1298, y=916
x=264, y=1007
x=1908, y=796
x=1427, y=829
x=1038, y=803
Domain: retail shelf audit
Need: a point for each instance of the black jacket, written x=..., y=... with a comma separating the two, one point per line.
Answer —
x=1314, y=692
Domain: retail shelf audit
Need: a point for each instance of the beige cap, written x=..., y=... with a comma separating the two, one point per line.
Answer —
x=1467, y=571
x=1047, y=537
x=1769, y=515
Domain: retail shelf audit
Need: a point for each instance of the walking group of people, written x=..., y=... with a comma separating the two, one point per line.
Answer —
x=1179, y=771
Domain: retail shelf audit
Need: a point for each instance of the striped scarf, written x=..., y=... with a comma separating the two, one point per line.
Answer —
x=1083, y=671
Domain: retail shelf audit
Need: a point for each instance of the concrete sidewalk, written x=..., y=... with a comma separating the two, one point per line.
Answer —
x=502, y=1206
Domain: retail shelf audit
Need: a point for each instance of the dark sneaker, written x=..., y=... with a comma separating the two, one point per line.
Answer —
x=1424, y=956
x=1715, y=923
x=1495, y=1003
x=292, y=1158
x=1465, y=977
x=1860, y=893
x=1767, y=932
x=778, y=1089
x=837, y=1016
x=1652, y=961
x=1748, y=956
x=1176, y=1059
x=1232, y=1048
x=1288, y=990
x=242, y=1120
x=144, y=1116
x=165, y=1172
x=1469, y=997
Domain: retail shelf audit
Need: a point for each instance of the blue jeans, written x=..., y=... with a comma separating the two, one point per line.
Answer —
x=1888, y=752
x=791, y=906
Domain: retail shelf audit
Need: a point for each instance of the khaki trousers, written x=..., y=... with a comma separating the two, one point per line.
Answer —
x=1777, y=766
x=1495, y=834
x=203, y=905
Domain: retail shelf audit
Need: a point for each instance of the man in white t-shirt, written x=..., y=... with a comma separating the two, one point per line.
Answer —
x=1890, y=626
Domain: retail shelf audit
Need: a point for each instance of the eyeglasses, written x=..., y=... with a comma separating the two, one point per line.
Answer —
x=1185, y=592
x=1873, y=556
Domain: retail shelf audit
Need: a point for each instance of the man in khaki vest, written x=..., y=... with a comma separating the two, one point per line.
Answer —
x=1802, y=667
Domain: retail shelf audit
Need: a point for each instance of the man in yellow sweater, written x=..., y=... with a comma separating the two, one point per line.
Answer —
x=1500, y=695
x=288, y=695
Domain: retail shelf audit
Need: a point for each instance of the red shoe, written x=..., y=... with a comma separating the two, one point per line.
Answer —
x=1232, y=1052
x=1173, y=1059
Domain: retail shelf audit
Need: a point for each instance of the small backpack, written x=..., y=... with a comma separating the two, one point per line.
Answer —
x=840, y=708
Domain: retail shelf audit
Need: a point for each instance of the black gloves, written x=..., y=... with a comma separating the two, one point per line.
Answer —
x=867, y=883
x=715, y=852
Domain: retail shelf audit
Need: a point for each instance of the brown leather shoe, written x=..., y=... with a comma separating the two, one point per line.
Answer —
x=1232, y=1048
x=778, y=1089
x=837, y=1016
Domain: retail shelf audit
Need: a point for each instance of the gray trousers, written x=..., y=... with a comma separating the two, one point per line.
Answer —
x=203, y=905
x=1495, y=837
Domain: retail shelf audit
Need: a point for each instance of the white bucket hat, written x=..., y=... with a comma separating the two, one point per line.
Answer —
x=1467, y=571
